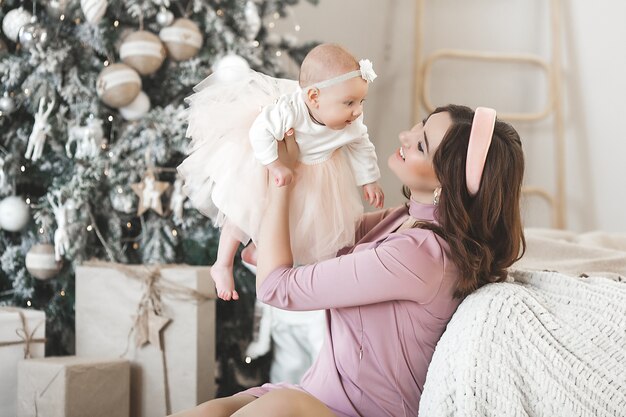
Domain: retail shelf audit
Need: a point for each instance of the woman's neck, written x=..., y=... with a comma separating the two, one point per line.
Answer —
x=422, y=197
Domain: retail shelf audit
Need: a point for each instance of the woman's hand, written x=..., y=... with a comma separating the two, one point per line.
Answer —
x=288, y=151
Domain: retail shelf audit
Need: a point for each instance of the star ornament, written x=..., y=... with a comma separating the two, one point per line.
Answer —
x=150, y=191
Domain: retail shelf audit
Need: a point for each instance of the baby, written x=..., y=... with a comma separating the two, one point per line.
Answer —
x=233, y=146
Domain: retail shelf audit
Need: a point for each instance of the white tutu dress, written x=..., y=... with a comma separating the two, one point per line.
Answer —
x=225, y=175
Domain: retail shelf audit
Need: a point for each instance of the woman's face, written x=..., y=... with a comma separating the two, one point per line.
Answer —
x=413, y=160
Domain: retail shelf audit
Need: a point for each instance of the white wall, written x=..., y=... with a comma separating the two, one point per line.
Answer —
x=594, y=85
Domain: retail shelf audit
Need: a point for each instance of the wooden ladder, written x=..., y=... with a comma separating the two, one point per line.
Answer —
x=552, y=69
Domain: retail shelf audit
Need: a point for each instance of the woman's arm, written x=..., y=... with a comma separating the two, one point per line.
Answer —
x=274, y=246
x=406, y=266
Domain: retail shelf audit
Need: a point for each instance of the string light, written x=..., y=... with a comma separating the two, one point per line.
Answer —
x=219, y=12
x=106, y=63
x=255, y=44
x=62, y=293
x=77, y=21
x=27, y=200
x=28, y=303
x=174, y=232
x=297, y=28
x=62, y=17
x=248, y=359
x=119, y=190
x=110, y=118
x=116, y=23
x=278, y=53
x=129, y=225
x=26, y=91
x=22, y=168
x=271, y=25
x=89, y=228
x=41, y=230
x=276, y=15
x=110, y=154
x=135, y=245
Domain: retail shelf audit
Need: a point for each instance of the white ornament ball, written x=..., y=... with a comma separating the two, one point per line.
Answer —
x=93, y=10
x=40, y=261
x=183, y=39
x=143, y=51
x=13, y=22
x=7, y=105
x=118, y=85
x=14, y=214
x=137, y=108
x=230, y=68
x=164, y=17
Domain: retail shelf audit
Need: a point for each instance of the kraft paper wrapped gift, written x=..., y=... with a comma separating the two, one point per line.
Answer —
x=129, y=310
x=22, y=335
x=70, y=386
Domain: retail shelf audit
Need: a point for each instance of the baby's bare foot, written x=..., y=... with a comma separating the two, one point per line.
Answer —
x=224, y=282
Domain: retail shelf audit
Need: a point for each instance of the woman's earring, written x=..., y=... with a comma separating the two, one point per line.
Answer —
x=436, y=195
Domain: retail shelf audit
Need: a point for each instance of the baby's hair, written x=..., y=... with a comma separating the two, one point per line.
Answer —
x=326, y=61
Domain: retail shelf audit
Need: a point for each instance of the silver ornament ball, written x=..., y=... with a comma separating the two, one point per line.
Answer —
x=33, y=34
x=164, y=17
x=56, y=8
x=7, y=105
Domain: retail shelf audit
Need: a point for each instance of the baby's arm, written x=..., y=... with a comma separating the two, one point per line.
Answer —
x=362, y=156
x=271, y=125
x=374, y=194
x=282, y=175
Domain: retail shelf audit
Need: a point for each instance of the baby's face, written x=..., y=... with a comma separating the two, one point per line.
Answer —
x=341, y=104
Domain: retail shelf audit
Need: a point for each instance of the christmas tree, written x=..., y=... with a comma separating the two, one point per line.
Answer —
x=91, y=117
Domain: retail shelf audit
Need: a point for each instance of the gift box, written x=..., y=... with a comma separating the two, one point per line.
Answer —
x=70, y=386
x=22, y=335
x=162, y=319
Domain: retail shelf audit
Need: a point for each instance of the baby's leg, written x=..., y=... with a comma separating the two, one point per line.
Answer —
x=222, y=269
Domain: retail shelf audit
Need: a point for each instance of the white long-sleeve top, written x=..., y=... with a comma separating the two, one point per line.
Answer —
x=316, y=142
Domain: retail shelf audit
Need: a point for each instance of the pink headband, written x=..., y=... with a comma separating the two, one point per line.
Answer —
x=479, y=141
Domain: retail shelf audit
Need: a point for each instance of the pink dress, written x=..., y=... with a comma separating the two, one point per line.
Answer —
x=388, y=300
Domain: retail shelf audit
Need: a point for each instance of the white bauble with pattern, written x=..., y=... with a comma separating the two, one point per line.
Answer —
x=14, y=214
x=182, y=39
x=143, y=51
x=118, y=85
x=93, y=10
x=40, y=261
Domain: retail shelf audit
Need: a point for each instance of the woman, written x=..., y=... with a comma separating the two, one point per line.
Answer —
x=390, y=297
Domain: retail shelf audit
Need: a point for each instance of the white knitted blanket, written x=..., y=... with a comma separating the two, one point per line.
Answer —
x=543, y=344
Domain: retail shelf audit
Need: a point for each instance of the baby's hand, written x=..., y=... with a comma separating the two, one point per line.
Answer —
x=374, y=194
x=282, y=175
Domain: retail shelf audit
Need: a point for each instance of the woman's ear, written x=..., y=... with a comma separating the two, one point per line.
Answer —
x=313, y=95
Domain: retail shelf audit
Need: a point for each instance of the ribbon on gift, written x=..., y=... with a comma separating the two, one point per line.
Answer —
x=149, y=320
x=26, y=337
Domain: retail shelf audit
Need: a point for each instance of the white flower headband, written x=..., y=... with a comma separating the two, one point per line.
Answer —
x=365, y=71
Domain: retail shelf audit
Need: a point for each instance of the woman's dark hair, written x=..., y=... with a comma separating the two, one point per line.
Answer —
x=484, y=232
